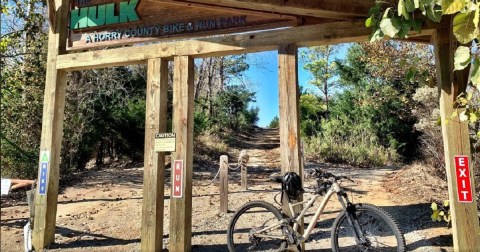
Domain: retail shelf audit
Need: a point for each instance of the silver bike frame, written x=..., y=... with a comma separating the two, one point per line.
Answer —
x=334, y=189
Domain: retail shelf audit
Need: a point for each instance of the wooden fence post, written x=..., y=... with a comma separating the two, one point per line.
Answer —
x=224, y=184
x=243, y=168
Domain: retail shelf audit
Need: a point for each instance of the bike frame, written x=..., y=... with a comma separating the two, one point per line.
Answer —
x=334, y=189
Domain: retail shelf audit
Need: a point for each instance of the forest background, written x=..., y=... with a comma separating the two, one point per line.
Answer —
x=377, y=105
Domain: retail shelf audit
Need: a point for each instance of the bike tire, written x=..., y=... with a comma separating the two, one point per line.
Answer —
x=378, y=226
x=253, y=216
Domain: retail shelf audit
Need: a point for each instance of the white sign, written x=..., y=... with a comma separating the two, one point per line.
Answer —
x=6, y=183
x=27, y=237
x=165, y=142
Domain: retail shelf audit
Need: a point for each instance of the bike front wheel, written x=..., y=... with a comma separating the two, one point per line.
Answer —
x=245, y=229
x=370, y=229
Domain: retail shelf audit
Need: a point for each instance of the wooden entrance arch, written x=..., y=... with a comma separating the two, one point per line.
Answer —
x=297, y=23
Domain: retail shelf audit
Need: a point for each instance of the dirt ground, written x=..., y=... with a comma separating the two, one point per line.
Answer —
x=103, y=211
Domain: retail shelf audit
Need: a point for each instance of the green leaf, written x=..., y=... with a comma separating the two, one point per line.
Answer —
x=402, y=9
x=376, y=36
x=368, y=22
x=435, y=216
x=417, y=25
x=452, y=6
x=464, y=28
x=410, y=5
x=389, y=27
x=434, y=13
x=476, y=15
x=446, y=203
x=473, y=118
x=475, y=73
x=462, y=57
x=416, y=3
x=434, y=206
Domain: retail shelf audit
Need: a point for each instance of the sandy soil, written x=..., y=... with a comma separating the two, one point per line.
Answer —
x=103, y=211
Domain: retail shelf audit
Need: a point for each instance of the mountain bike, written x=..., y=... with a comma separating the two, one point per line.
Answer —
x=260, y=226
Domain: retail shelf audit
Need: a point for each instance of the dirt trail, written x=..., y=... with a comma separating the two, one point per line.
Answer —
x=103, y=213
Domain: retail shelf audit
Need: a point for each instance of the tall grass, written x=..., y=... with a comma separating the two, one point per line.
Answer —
x=359, y=149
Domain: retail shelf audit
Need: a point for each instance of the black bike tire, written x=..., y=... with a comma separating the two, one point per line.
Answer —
x=392, y=223
x=243, y=209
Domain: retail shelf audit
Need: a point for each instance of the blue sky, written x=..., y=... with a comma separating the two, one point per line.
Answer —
x=265, y=82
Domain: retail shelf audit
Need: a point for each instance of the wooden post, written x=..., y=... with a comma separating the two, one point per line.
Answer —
x=224, y=184
x=52, y=129
x=243, y=170
x=465, y=224
x=181, y=208
x=154, y=163
x=289, y=116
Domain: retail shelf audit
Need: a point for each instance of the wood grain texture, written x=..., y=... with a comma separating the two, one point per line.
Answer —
x=456, y=141
x=312, y=35
x=339, y=9
x=52, y=129
x=290, y=158
x=159, y=13
x=224, y=184
x=154, y=163
x=220, y=46
x=244, y=176
x=183, y=106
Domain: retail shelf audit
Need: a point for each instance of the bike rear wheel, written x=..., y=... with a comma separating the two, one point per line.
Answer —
x=379, y=230
x=249, y=219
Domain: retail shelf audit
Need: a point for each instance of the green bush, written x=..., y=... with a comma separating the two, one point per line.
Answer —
x=356, y=147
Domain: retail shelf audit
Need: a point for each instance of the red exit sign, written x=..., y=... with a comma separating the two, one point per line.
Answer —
x=464, y=185
x=177, y=185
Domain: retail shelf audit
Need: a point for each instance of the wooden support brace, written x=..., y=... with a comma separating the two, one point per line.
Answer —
x=224, y=184
x=52, y=129
x=154, y=162
x=456, y=141
x=183, y=106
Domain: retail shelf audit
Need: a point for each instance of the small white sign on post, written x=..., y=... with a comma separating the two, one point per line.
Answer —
x=6, y=183
x=165, y=142
x=27, y=237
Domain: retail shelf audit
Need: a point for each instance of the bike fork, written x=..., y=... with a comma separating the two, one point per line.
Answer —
x=351, y=214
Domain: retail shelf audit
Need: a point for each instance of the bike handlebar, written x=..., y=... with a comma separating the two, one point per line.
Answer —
x=318, y=173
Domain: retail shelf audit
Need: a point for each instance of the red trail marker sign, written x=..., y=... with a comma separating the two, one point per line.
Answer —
x=177, y=185
x=464, y=185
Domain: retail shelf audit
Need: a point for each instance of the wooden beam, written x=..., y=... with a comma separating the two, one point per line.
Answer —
x=183, y=106
x=154, y=162
x=456, y=141
x=289, y=117
x=51, y=14
x=52, y=129
x=312, y=35
x=339, y=9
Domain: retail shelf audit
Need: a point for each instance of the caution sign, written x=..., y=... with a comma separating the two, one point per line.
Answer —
x=165, y=142
x=464, y=185
x=44, y=163
x=177, y=185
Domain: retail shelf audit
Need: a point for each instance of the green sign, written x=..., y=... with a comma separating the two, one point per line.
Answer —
x=104, y=14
